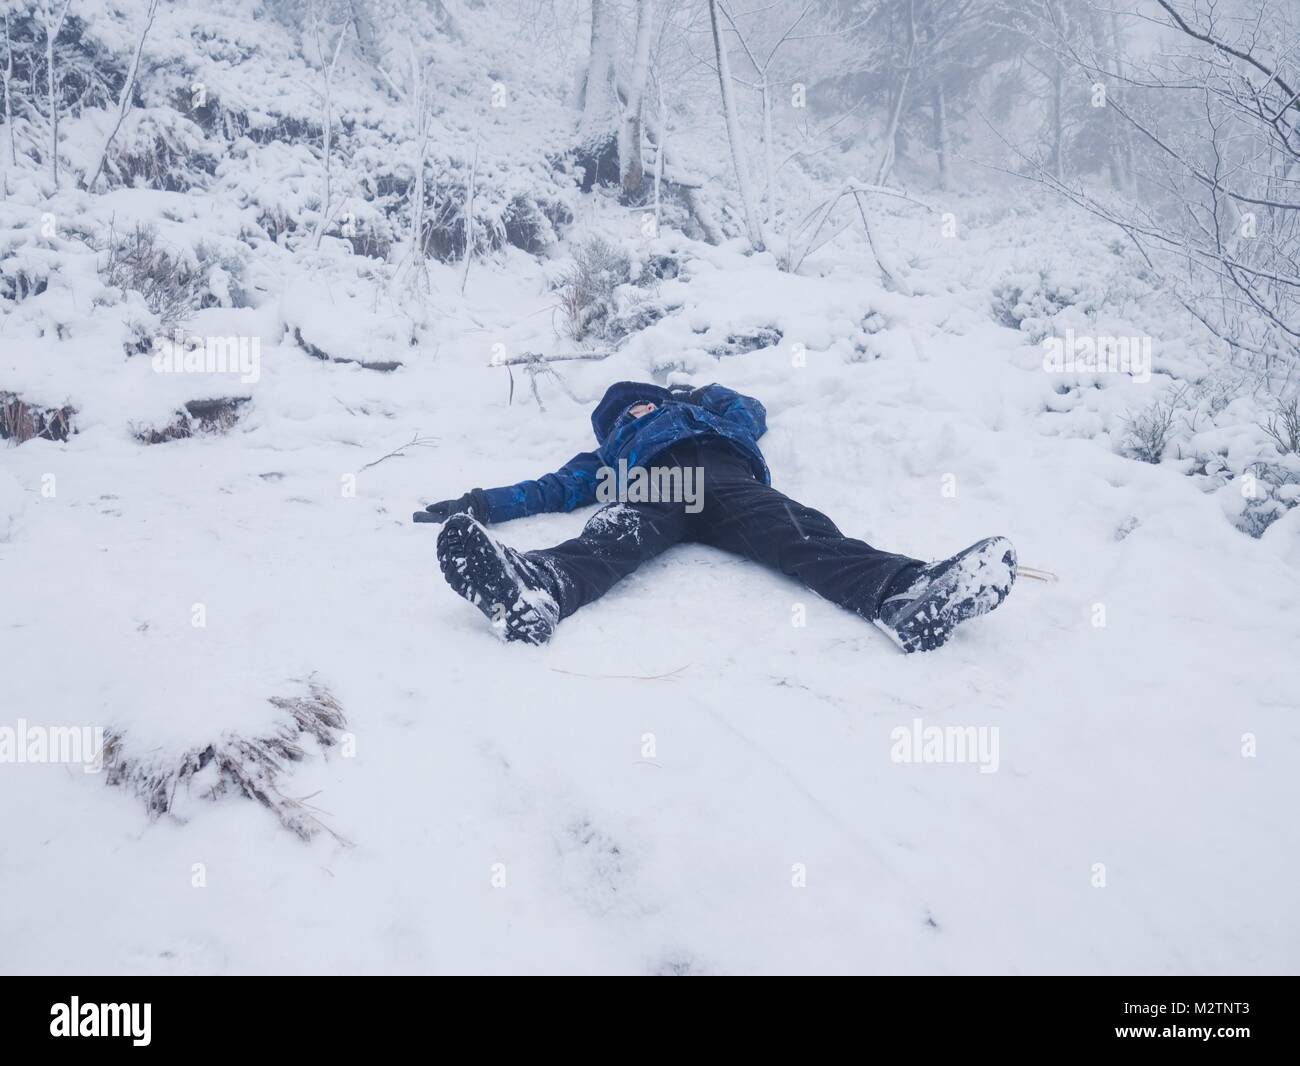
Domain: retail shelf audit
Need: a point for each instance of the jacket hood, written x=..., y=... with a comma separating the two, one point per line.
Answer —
x=620, y=396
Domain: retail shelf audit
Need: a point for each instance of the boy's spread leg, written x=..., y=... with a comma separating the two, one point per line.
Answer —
x=525, y=594
x=615, y=541
x=915, y=603
x=744, y=516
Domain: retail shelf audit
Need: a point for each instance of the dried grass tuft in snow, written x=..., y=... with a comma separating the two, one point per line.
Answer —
x=254, y=768
x=587, y=289
x=139, y=261
x=19, y=421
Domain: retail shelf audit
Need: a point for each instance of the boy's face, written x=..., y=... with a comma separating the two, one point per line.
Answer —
x=641, y=409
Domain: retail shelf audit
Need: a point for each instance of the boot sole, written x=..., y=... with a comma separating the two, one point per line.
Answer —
x=482, y=572
x=978, y=581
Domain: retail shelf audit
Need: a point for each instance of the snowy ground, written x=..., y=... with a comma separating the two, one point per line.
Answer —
x=500, y=812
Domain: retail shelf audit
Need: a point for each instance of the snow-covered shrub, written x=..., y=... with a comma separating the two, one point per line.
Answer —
x=137, y=261
x=636, y=311
x=1214, y=392
x=1277, y=490
x=159, y=149
x=587, y=289
x=529, y=220
x=1027, y=300
x=85, y=75
x=865, y=346
x=20, y=280
x=749, y=340
x=1276, y=481
x=198, y=417
x=1284, y=426
x=657, y=268
x=172, y=285
x=1148, y=432
x=533, y=224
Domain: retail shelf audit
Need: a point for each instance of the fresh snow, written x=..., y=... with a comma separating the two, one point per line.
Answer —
x=1119, y=745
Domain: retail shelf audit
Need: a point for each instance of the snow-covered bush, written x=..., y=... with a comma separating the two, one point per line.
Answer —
x=1276, y=480
x=657, y=268
x=137, y=261
x=747, y=340
x=587, y=289
x=1150, y=431
x=1284, y=426
x=528, y=220
x=159, y=149
x=1277, y=490
x=1027, y=300
x=20, y=279
x=196, y=418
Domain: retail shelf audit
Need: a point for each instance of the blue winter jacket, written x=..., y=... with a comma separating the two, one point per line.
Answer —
x=680, y=414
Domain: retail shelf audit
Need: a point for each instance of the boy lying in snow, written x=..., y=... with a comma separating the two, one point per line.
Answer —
x=710, y=485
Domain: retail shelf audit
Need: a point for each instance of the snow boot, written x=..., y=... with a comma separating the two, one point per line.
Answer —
x=921, y=616
x=508, y=587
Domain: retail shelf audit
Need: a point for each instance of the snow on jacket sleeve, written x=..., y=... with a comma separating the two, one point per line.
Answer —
x=744, y=412
x=570, y=487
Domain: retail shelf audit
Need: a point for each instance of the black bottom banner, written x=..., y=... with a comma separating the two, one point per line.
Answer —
x=1226, y=1016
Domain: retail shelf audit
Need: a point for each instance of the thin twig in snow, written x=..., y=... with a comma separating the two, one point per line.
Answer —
x=671, y=675
x=416, y=441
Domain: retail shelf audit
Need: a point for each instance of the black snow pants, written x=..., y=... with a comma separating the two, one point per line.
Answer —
x=739, y=514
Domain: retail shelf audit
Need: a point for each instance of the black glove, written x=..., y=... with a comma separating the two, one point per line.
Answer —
x=473, y=503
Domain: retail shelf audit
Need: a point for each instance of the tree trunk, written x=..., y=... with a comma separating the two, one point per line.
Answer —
x=51, y=31
x=1058, y=104
x=940, y=107
x=660, y=148
x=1097, y=36
x=896, y=112
x=420, y=106
x=1124, y=147
x=891, y=134
x=753, y=221
x=327, y=132
x=599, y=100
x=769, y=154
x=9, y=76
x=631, y=167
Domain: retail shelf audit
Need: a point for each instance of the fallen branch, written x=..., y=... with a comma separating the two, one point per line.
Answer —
x=892, y=278
x=415, y=442
x=536, y=357
x=536, y=363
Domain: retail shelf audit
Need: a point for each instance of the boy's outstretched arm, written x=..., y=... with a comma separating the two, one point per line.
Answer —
x=570, y=487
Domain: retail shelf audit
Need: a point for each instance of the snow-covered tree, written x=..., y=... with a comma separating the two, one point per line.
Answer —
x=631, y=165
x=599, y=121
x=52, y=16
x=128, y=90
